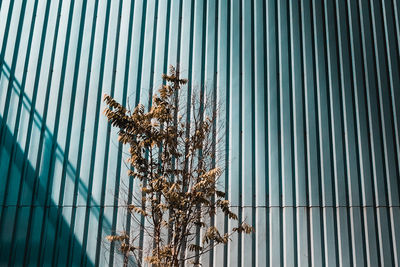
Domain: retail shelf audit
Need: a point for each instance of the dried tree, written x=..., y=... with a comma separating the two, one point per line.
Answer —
x=173, y=158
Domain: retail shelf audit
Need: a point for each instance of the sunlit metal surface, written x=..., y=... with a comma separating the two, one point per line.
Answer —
x=311, y=97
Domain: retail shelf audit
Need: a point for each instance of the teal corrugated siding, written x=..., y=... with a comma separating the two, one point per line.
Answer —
x=310, y=93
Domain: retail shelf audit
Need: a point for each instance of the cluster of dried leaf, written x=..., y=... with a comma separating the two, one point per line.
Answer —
x=173, y=157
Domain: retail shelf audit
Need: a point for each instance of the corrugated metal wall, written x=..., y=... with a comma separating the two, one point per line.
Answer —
x=311, y=94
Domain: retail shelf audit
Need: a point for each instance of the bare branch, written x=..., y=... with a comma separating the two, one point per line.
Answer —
x=173, y=150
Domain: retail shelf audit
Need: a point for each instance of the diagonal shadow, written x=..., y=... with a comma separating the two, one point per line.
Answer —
x=22, y=205
x=38, y=122
x=14, y=228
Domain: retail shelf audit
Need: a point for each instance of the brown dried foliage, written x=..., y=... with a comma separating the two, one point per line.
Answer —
x=173, y=157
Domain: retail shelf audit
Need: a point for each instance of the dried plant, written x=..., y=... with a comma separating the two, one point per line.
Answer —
x=172, y=156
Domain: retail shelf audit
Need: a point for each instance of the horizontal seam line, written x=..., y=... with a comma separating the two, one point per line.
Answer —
x=233, y=206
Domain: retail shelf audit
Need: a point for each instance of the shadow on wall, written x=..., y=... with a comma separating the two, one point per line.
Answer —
x=34, y=229
x=21, y=238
